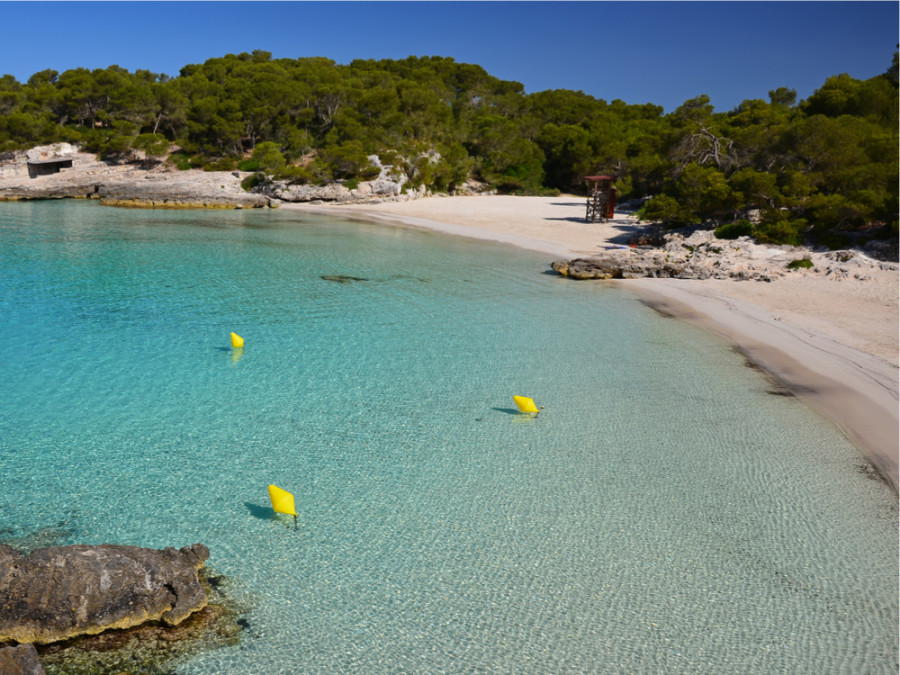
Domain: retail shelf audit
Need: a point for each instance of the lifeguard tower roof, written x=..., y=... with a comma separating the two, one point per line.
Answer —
x=596, y=178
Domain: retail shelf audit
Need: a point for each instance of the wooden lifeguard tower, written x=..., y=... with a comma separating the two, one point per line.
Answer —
x=601, y=199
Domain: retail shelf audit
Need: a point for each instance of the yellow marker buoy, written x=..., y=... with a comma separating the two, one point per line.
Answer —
x=282, y=501
x=525, y=404
x=237, y=341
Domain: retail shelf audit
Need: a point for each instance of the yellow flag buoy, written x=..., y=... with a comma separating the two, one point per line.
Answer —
x=282, y=502
x=525, y=404
x=237, y=341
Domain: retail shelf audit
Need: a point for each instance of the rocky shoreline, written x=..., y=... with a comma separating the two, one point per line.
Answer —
x=160, y=186
x=61, y=592
x=700, y=255
x=151, y=184
x=80, y=607
x=694, y=254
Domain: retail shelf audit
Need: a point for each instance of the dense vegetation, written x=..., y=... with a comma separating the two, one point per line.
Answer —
x=825, y=167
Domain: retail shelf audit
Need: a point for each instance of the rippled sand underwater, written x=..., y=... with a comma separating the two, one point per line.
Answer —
x=663, y=513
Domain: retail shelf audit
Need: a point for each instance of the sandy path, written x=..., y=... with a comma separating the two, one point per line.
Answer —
x=833, y=343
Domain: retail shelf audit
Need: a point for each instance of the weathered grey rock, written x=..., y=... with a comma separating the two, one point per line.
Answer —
x=156, y=647
x=334, y=192
x=379, y=188
x=20, y=660
x=121, y=184
x=8, y=554
x=186, y=189
x=307, y=193
x=700, y=255
x=624, y=266
x=63, y=591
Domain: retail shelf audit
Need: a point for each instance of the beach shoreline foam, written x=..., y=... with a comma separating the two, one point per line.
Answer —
x=832, y=343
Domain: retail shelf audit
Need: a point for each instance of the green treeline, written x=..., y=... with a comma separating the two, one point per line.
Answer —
x=825, y=167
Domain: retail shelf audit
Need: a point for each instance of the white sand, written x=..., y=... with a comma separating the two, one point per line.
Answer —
x=833, y=343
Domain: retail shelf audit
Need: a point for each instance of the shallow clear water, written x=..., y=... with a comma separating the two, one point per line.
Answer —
x=664, y=513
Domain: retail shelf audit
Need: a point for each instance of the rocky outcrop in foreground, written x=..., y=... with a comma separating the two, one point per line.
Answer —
x=60, y=592
x=20, y=660
x=702, y=256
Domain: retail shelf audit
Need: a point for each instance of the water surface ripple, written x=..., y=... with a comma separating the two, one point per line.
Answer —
x=663, y=514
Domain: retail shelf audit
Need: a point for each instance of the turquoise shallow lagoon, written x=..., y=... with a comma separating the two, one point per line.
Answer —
x=665, y=513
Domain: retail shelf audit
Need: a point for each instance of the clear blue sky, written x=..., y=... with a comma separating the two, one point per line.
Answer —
x=640, y=52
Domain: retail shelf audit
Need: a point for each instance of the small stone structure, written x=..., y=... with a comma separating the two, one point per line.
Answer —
x=46, y=167
x=49, y=159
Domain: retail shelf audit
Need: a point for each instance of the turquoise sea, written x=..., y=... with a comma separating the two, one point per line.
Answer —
x=667, y=512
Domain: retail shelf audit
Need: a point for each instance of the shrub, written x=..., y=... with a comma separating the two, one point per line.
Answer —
x=248, y=165
x=778, y=228
x=268, y=157
x=252, y=181
x=296, y=175
x=741, y=228
x=180, y=160
x=835, y=241
x=803, y=263
x=346, y=160
x=221, y=164
x=369, y=173
x=666, y=209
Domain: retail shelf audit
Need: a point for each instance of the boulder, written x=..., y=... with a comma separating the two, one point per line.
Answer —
x=625, y=266
x=63, y=591
x=335, y=192
x=20, y=660
x=187, y=189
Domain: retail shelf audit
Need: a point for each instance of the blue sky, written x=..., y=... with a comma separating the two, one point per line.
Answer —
x=640, y=52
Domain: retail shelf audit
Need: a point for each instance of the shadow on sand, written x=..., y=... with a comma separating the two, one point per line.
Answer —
x=261, y=512
x=621, y=229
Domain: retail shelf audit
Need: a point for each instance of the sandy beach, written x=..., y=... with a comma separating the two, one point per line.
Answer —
x=832, y=342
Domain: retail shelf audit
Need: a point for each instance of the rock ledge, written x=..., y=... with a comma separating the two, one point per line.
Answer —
x=702, y=256
x=63, y=591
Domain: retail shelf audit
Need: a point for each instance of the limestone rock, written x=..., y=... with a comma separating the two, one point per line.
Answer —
x=700, y=255
x=121, y=184
x=63, y=591
x=334, y=192
x=55, y=151
x=8, y=554
x=20, y=660
x=625, y=266
x=183, y=189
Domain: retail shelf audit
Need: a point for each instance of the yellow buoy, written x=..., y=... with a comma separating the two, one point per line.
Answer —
x=282, y=501
x=237, y=341
x=525, y=404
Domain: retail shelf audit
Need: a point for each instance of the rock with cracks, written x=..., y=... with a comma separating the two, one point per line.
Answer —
x=60, y=592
